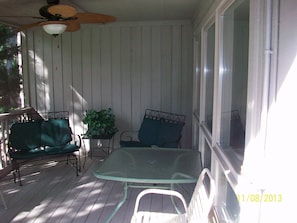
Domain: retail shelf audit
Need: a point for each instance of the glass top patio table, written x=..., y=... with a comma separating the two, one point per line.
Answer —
x=151, y=165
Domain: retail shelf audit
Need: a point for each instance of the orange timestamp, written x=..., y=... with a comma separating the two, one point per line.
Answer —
x=276, y=198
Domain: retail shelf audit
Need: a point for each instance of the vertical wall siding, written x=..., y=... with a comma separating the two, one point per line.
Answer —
x=126, y=66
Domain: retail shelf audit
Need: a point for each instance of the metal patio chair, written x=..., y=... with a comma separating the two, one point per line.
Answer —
x=158, y=128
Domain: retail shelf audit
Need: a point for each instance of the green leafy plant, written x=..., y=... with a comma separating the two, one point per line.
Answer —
x=10, y=79
x=101, y=124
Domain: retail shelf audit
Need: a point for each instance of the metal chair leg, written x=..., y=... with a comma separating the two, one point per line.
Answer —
x=3, y=201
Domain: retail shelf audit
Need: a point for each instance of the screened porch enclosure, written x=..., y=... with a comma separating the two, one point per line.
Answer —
x=124, y=66
x=134, y=66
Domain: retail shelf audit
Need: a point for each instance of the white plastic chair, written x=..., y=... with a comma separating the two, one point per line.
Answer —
x=197, y=211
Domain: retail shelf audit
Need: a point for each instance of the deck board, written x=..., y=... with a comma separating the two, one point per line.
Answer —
x=51, y=192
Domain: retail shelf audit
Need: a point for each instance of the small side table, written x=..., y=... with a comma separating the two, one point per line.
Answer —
x=105, y=144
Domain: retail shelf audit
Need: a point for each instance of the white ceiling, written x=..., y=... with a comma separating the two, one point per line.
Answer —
x=19, y=12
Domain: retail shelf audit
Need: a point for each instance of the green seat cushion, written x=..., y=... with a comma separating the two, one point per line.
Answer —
x=28, y=154
x=169, y=134
x=63, y=149
x=25, y=135
x=55, y=132
x=131, y=144
x=148, y=132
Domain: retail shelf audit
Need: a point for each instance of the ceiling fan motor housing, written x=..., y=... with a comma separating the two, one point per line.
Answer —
x=43, y=11
x=53, y=2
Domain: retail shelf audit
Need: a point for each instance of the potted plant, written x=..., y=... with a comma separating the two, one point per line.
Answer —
x=101, y=124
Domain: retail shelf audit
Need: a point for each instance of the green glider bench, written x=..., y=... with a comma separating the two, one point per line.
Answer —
x=42, y=138
x=158, y=128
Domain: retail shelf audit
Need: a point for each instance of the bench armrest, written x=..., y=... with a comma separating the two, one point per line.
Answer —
x=76, y=140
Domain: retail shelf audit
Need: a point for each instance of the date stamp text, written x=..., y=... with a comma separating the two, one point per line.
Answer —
x=275, y=198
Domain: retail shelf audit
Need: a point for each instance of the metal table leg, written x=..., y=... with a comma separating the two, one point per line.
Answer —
x=120, y=203
x=3, y=201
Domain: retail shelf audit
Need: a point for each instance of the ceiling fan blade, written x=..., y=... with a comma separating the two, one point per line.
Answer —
x=28, y=26
x=65, y=11
x=94, y=18
x=72, y=25
x=21, y=16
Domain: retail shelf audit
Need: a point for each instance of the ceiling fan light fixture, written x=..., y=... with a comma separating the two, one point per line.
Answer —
x=54, y=28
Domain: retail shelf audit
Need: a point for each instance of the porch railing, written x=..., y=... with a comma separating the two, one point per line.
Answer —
x=6, y=120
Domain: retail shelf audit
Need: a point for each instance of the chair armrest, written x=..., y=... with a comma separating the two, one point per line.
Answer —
x=131, y=135
x=161, y=192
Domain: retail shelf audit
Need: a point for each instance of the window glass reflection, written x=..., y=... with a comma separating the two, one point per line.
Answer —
x=234, y=77
x=209, y=76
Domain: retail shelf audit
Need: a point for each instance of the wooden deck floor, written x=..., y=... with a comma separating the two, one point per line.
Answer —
x=51, y=192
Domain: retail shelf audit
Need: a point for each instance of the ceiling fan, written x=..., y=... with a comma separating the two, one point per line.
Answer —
x=58, y=18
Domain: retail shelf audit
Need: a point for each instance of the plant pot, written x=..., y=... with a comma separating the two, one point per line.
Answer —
x=102, y=136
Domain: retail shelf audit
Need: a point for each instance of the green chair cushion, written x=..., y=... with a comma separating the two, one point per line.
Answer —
x=131, y=144
x=55, y=132
x=63, y=149
x=148, y=132
x=28, y=154
x=169, y=134
x=25, y=135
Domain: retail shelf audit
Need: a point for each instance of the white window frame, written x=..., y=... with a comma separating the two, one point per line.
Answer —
x=226, y=165
x=259, y=85
x=204, y=134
